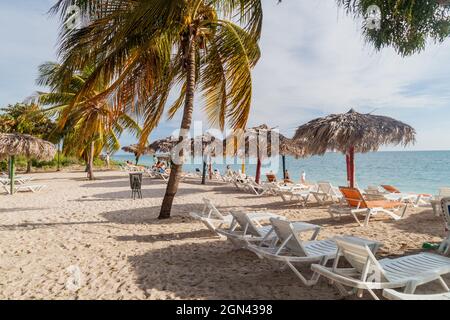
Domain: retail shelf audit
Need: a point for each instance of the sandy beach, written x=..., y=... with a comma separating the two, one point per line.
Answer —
x=122, y=251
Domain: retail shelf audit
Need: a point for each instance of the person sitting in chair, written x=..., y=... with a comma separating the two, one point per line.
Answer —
x=287, y=179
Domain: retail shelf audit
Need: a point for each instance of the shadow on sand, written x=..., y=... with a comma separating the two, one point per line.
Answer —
x=149, y=215
x=213, y=270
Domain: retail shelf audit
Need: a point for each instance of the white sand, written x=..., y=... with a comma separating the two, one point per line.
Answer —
x=124, y=252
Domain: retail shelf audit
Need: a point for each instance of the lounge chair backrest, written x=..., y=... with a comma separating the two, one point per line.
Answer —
x=324, y=187
x=361, y=259
x=445, y=203
x=210, y=210
x=353, y=197
x=390, y=188
x=287, y=236
x=246, y=223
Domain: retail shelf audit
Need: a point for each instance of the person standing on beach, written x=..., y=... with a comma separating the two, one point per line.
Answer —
x=303, y=178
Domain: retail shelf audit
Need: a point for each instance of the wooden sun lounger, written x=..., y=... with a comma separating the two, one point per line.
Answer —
x=357, y=204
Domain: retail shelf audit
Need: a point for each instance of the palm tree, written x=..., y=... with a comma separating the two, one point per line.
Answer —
x=406, y=25
x=26, y=118
x=146, y=48
x=87, y=127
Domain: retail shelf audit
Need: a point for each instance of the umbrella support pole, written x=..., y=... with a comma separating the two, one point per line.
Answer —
x=204, y=172
x=284, y=167
x=258, y=171
x=350, y=157
x=58, y=167
x=12, y=161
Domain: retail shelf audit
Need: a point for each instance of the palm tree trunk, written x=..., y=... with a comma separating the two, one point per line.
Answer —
x=177, y=169
x=91, y=162
x=29, y=164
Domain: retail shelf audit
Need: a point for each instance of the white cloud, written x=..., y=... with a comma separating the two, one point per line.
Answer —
x=315, y=62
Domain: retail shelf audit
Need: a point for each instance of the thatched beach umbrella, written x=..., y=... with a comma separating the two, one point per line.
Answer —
x=163, y=145
x=14, y=144
x=137, y=150
x=258, y=143
x=208, y=145
x=352, y=132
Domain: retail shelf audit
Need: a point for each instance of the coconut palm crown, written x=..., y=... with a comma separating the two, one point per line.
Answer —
x=146, y=48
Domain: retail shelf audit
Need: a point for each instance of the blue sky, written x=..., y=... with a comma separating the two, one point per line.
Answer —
x=314, y=62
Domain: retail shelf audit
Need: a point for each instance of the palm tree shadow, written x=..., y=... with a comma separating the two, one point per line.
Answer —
x=147, y=193
x=199, y=234
x=149, y=215
x=212, y=270
x=424, y=223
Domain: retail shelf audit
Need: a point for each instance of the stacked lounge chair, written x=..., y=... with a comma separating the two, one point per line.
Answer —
x=368, y=273
x=291, y=250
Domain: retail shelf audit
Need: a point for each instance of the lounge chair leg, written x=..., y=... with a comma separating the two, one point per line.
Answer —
x=410, y=288
x=374, y=296
x=443, y=284
x=342, y=291
x=366, y=220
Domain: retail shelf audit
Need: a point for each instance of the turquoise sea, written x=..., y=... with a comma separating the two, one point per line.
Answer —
x=409, y=171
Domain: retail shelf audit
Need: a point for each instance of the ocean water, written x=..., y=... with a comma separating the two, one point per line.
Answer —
x=409, y=171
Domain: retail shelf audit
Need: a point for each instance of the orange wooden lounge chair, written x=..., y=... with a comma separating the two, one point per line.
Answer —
x=390, y=189
x=357, y=204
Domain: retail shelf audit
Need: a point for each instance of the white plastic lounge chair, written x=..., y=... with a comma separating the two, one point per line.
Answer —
x=436, y=202
x=4, y=181
x=326, y=192
x=414, y=199
x=4, y=188
x=252, y=186
x=151, y=173
x=240, y=181
x=395, y=295
x=30, y=188
x=368, y=273
x=296, y=194
x=357, y=204
x=24, y=188
x=17, y=180
x=163, y=176
x=291, y=249
x=444, y=248
x=212, y=217
x=258, y=189
x=246, y=228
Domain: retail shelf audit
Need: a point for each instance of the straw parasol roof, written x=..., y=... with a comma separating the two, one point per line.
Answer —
x=14, y=144
x=206, y=144
x=136, y=149
x=163, y=145
x=363, y=132
x=262, y=137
